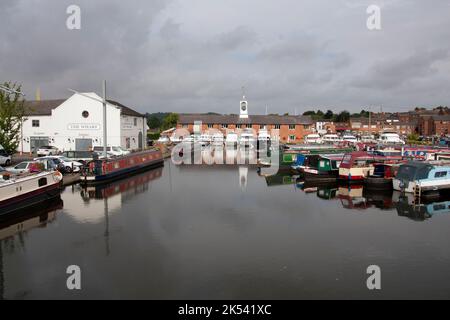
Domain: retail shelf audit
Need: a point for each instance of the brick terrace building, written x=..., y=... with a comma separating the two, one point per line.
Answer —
x=291, y=129
x=430, y=125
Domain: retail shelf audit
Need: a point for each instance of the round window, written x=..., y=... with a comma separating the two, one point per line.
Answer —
x=85, y=114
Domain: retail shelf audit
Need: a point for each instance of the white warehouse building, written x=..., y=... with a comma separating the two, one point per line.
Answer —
x=77, y=124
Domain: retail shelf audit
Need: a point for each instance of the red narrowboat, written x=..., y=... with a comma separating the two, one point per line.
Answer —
x=105, y=170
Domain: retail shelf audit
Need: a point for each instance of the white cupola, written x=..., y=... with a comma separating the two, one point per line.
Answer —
x=243, y=108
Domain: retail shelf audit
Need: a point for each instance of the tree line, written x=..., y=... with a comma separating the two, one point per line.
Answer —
x=343, y=116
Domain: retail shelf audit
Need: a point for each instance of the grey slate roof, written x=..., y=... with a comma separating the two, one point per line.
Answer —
x=252, y=119
x=45, y=107
x=41, y=108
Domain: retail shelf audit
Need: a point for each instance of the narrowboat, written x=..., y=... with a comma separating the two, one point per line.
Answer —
x=382, y=176
x=423, y=178
x=105, y=170
x=356, y=166
x=326, y=168
x=24, y=191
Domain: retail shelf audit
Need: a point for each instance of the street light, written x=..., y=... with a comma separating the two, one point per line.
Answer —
x=103, y=101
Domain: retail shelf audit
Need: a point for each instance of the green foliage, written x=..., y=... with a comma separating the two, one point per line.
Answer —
x=12, y=114
x=329, y=115
x=154, y=122
x=413, y=137
x=343, y=116
x=170, y=121
x=153, y=136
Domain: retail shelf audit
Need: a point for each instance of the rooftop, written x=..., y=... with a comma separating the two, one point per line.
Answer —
x=186, y=118
x=45, y=107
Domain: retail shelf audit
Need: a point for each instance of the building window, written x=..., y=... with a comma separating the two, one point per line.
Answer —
x=277, y=126
x=210, y=126
x=238, y=126
x=292, y=127
x=292, y=138
x=262, y=127
x=185, y=126
x=35, y=123
x=135, y=122
x=306, y=127
x=249, y=126
x=85, y=114
x=224, y=126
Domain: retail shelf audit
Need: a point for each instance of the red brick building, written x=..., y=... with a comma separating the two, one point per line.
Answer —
x=291, y=129
x=431, y=125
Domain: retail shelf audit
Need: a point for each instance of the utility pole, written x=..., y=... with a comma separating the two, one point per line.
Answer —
x=105, y=131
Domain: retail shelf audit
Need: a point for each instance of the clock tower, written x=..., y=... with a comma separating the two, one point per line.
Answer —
x=243, y=109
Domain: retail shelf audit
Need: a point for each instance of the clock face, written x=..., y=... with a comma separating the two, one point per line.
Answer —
x=243, y=106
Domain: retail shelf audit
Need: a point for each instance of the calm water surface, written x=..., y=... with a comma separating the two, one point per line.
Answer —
x=219, y=232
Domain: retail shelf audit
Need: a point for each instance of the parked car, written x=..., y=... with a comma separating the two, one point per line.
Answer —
x=23, y=167
x=67, y=165
x=5, y=158
x=80, y=156
x=114, y=150
x=47, y=151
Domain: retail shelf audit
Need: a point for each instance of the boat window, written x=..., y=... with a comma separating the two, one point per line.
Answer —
x=347, y=158
x=406, y=172
x=322, y=163
x=437, y=207
x=42, y=182
x=422, y=173
x=440, y=174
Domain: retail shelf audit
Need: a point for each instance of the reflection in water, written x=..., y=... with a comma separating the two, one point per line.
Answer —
x=407, y=207
x=357, y=197
x=18, y=224
x=115, y=193
x=205, y=238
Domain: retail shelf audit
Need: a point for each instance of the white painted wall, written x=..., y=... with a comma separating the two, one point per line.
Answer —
x=66, y=124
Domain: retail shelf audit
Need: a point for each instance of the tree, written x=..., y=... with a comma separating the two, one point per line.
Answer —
x=154, y=122
x=12, y=114
x=344, y=116
x=309, y=113
x=328, y=115
x=170, y=121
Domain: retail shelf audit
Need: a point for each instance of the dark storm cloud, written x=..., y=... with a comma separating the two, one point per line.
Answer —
x=195, y=55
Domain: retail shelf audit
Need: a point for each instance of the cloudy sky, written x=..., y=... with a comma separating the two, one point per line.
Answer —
x=195, y=55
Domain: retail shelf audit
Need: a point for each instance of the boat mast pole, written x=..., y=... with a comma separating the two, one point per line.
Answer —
x=105, y=133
